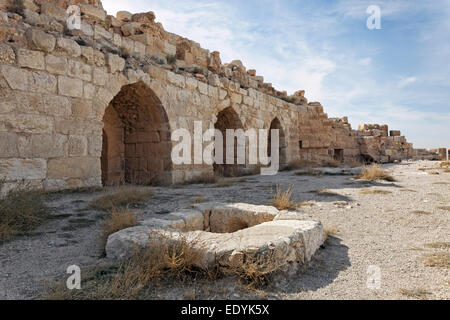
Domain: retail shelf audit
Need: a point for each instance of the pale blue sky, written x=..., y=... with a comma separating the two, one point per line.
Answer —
x=399, y=75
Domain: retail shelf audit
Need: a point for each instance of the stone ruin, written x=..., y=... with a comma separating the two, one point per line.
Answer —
x=96, y=105
x=227, y=235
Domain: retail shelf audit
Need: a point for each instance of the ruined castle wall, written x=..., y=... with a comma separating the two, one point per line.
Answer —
x=97, y=104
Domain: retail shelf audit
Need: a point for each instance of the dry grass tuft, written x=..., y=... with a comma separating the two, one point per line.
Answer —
x=374, y=191
x=447, y=208
x=282, y=199
x=197, y=200
x=373, y=173
x=438, y=245
x=118, y=219
x=256, y=271
x=121, y=197
x=441, y=183
x=407, y=190
x=421, y=212
x=305, y=204
x=444, y=164
x=21, y=211
x=330, y=232
x=159, y=264
x=420, y=294
x=437, y=260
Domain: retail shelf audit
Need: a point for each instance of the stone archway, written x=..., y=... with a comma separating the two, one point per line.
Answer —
x=228, y=119
x=276, y=125
x=136, y=139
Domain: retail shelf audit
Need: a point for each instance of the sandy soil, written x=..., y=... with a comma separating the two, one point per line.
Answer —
x=379, y=230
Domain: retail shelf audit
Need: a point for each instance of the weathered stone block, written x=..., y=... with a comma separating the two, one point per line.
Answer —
x=40, y=40
x=7, y=54
x=56, y=64
x=48, y=145
x=69, y=46
x=81, y=167
x=114, y=63
x=23, y=169
x=70, y=87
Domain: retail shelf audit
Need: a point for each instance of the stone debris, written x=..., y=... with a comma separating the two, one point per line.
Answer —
x=226, y=233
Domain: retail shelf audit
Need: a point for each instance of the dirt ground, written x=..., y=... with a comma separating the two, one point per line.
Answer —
x=391, y=232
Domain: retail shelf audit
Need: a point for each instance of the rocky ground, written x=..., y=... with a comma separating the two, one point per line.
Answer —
x=391, y=230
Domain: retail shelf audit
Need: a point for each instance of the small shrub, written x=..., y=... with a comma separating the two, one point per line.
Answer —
x=21, y=211
x=18, y=7
x=171, y=59
x=117, y=220
x=375, y=172
x=330, y=232
x=282, y=199
x=121, y=197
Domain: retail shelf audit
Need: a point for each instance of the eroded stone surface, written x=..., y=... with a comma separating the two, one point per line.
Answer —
x=282, y=243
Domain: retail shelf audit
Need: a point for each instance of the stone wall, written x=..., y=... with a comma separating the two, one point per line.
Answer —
x=97, y=105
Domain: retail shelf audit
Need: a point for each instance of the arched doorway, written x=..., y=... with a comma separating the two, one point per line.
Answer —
x=136, y=139
x=228, y=119
x=276, y=125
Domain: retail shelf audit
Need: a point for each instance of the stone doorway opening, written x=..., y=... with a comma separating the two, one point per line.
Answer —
x=276, y=125
x=228, y=119
x=339, y=155
x=136, y=139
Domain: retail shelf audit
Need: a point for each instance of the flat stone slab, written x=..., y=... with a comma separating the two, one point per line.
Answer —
x=278, y=239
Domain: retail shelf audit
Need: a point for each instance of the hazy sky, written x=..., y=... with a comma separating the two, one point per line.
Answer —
x=399, y=75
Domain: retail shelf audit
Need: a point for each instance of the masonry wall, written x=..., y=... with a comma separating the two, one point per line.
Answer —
x=56, y=86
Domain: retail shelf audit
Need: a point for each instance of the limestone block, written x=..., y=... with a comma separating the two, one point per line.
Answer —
x=94, y=146
x=203, y=88
x=124, y=16
x=8, y=145
x=56, y=64
x=236, y=98
x=54, y=11
x=114, y=63
x=93, y=12
x=78, y=127
x=48, y=145
x=81, y=108
x=7, y=54
x=70, y=87
x=176, y=79
x=100, y=76
x=80, y=167
x=88, y=54
x=26, y=123
x=42, y=82
x=99, y=58
x=89, y=90
x=16, y=78
x=31, y=59
x=191, y=83
x=40, y=40
x=80, y=70
x=23, y=169
x=77, y=146
x=69, y=46
x=57, y=106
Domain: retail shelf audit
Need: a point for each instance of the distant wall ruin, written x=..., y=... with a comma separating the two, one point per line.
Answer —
x=96, y=105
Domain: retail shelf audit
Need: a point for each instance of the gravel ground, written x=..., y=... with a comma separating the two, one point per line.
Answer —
x=379, y=230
